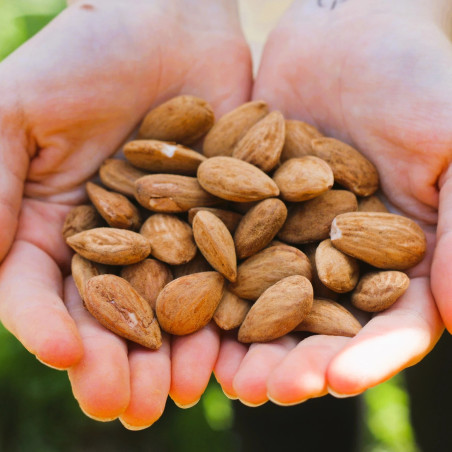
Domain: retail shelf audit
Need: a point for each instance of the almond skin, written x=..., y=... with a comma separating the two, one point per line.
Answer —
x=229, y=218
x=235, y=180
x=120, y=176
x=303, y=178
x=384, y=240
x=278, y=310
x=110, y=246
x=371, y=204
x=82, y=271
x=259, y=226
x=231, y=311
x=231, y=127
x=298, y=139
x=81, y=218
x=197, y=265
x=182, y=119
x=263, y=143
x=187, y=304
x=118, y=307
x=311, y=220
x=378, y=291
x=215, y=243
x=162, y=157
x=171, y=239
x=330, y=318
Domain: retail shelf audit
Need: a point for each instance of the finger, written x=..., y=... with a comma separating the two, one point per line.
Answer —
x=150, y=378
x=100, y=381
x=32, y=309
x=394, y=339
x=230, y=356
x=301, y=375
x=250, y=381
x=192, y=360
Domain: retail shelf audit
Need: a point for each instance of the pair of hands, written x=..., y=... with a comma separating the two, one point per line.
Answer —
x=369, y=72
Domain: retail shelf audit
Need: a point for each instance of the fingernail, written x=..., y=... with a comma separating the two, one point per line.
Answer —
x=252, y=405
x=186, y=406
x=229, y=396
x=277, y=402
x=133, y=427
x=100, y=419
x=342, y=396
x=48, y=365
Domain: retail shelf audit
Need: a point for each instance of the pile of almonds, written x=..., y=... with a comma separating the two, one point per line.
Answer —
x=209, y=222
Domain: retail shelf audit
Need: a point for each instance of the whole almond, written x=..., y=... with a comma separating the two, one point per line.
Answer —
x=114, y=208
x=298, y=139
x=187, y=304
x=303, y=178
x=259, y=226
x=257, y=273
x=81, y=218
x=351, y=169
x=335, y=269
x=171, y=193
x=278, y=310
x=263, y=143
x=235, y=180
x=231, y=311
x=330, y=318
x=215, y=243
x=371, y=204
x=229, y=218
x=197, y=265
x=110, y=246
x=311, y=220
x=384, y=240
x=120, y=176
x=118, y=306
x=82, y=271
x=231, y=127
x=183, y=119
x=171, y=238
x=148, y=278
x=378, y=291
x=162, y=157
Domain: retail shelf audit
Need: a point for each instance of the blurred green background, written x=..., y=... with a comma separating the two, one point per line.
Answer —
x=39, y=413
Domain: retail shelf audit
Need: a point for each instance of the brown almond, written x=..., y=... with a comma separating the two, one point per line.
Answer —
x=303, y=178
x=114, y=208
x=148, y=278
x=257, y=273
x=263, y=143
x=197, y=265
x=378, y=291
x=371, y=204
x=81, y=218
x=298, y=139
x=119, y=307
x=82, y=271
x=182, y=119
x=259, y=226
x=278, y=310
x=162, y=157
x=330, y=318
x=215, y=243
x=171, y=238
x=384, y=240
x=120, y=176
x=351, y=169
x=311, y=220
x=231, y=127
x=187, y=304
x=110, y=246
x=231, y=311
x=171, y=193
x=229, y=218
x=235, y=180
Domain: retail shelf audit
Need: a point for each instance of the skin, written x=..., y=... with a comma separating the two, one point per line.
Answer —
x=70, y=97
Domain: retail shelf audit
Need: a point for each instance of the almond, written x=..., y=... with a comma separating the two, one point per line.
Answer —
x=162, y=157
x=110, y=246
x=371, y=204
x=259, y=226
x=187, y=304
x=197, y=265
x=231, y=311
x=235, y=180
x=263, y=143
x=384, y=240
x=351, y=169
x=171, y=239
x=215, y=243
x=118, y=307
x=120, y=176
x=171, y=193
x=303, y=178
x=311, y=220
x=298, y=139
x=378, y=291
x=278, y=310
x=182, y=119
x=81, y=218
x=229, y=218
x=231, y=127
x=330, y=318
x=82, y=271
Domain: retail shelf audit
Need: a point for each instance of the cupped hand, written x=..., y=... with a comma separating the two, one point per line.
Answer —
x=70, y=97
x=377, y=75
